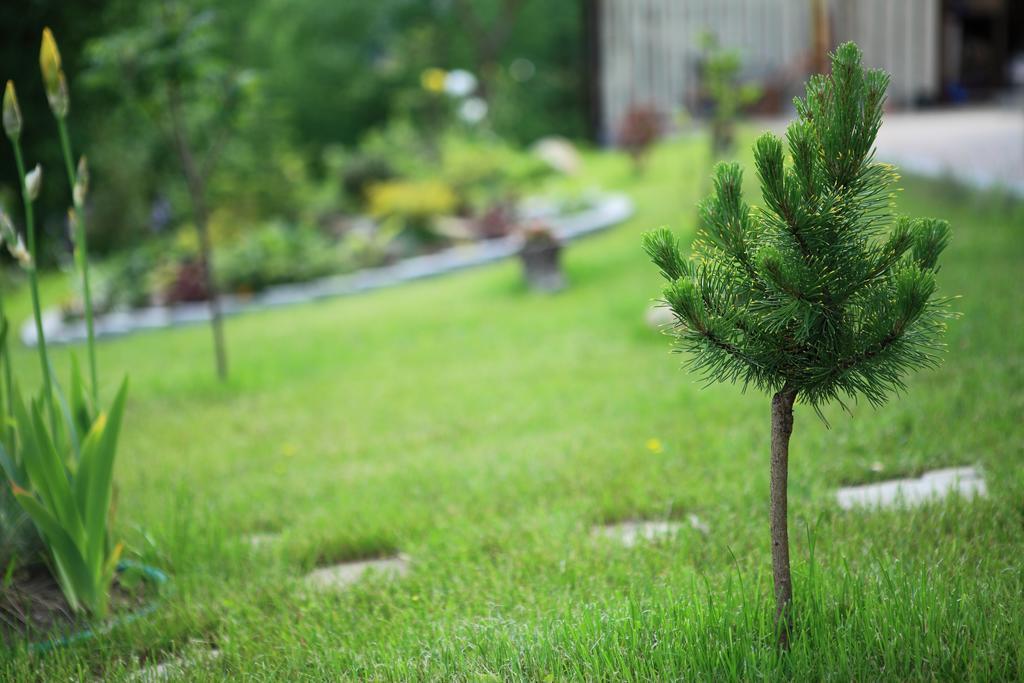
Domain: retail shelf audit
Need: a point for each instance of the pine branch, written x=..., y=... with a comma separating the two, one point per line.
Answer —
x=822, y=290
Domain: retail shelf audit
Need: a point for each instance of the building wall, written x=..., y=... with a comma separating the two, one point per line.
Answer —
x=900, y=37
x=648, y=50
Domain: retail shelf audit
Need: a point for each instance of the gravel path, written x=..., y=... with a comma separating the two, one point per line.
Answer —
x=983, y=147
x=979, y=146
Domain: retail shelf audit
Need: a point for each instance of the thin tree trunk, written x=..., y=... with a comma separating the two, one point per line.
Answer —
x=782, y=428
x=196, y=181
x=216, y=318
x=491, y=37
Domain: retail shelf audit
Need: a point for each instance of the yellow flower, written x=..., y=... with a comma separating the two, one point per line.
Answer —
x=411, y=198
x=289, y=450
x=432, y=80
x=654, y=445
x=12, y=113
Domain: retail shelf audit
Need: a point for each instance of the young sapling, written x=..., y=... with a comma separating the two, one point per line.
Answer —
x=824, y=293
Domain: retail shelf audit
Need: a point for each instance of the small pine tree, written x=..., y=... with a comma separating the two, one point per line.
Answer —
x=720, y=76
x=821, y=294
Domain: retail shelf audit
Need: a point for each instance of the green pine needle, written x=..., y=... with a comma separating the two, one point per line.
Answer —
x=823, y=289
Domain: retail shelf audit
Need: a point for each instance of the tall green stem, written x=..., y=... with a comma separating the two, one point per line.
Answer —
x=33, y=281
x=8, y=375
x=81, y=256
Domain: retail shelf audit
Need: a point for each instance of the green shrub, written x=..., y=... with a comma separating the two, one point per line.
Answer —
x=70, y=504
x=361, y=171
x=402, y=146
x=484, y=170
x=20, y=542
x=275, y=254
x=412, y=205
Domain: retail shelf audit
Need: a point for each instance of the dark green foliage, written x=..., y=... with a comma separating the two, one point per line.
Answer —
x=276, y=254
x=20, y=543
x=362, y=171
x=824, y=290
x=287, y=78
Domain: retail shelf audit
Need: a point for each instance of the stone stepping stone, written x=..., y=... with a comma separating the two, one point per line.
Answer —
x=659, y=317
x=698, y=524
x=176, y=668
x=935, y=485
x=346, y=574
x=262, y=541
x=633, y=532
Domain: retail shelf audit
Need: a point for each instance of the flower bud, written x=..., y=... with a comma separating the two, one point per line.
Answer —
x=12, y=113
x=53, y=75
x=81, y=182
x=49, y=59
x=33, y=182
x=7, y=232
x=20, y=253
x=15, y=246
x=49, y=55
x=60, y=102
x=72, y=222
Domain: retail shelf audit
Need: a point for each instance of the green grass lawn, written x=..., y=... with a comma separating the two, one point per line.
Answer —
x=483, y=430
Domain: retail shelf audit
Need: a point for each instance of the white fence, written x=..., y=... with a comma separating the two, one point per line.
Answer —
x=900, y=36
x=648, y=49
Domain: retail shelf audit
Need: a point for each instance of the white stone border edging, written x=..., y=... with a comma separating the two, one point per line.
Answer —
x=610, y=210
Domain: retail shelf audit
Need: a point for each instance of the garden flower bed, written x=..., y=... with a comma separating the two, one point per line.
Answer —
x=606, y=211
x=32, y=605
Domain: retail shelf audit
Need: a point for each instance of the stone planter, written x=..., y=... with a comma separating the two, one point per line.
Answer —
x=541, y=259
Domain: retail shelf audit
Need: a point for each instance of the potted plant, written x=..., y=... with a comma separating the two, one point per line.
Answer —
x=541, y=258
x=639, y=130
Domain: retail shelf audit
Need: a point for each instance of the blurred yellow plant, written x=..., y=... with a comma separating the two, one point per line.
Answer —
x=414, y=199
x=432, y=80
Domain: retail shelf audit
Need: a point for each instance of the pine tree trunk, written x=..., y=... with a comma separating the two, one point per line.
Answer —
x=782, y=427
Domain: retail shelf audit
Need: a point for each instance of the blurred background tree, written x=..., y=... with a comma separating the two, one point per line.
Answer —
x=171, y=67
x=723, y=95
x=318, y=74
